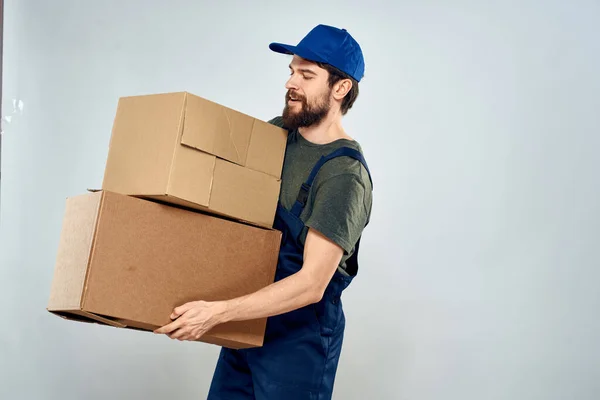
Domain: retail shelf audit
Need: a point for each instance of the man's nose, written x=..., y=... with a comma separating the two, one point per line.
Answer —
x=291, y=84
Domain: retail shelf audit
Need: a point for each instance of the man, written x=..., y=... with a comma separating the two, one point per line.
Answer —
x=325, y=203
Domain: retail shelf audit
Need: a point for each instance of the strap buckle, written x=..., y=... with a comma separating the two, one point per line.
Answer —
x=303, y=194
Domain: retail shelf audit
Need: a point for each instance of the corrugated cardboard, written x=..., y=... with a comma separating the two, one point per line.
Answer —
x=127, y=262
x=183, y=149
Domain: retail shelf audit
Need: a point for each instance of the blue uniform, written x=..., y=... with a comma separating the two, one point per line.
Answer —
x=301, y=350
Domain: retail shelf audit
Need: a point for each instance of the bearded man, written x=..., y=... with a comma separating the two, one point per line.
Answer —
x=324, y=205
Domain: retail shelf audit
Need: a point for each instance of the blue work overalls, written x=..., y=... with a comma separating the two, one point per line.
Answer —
x=299, y=358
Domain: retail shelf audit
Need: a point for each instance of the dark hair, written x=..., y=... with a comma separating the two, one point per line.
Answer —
x=335, y=75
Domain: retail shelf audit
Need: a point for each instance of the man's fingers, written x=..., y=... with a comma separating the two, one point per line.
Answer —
x=178, y=311
x=180, y=334
x=169, y=327
x=185, y=333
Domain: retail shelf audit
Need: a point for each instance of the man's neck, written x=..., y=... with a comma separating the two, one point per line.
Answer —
x=328, y=130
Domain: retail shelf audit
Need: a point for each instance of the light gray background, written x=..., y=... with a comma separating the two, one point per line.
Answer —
x=480, y=123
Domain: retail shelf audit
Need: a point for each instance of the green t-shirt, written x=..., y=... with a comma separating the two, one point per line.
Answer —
x=340, y=200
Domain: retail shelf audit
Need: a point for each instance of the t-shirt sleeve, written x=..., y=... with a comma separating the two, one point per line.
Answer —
x=339, y=210
x=277, y=121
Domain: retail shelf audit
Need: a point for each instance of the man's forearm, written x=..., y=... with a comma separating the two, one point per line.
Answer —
x=280, y=297
x=321, y=258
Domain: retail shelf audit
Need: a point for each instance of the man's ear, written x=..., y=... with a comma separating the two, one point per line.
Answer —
x=341, y=88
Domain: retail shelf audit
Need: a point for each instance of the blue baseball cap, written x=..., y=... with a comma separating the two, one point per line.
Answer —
x=329, y=45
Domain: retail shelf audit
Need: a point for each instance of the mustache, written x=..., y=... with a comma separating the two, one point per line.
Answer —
x=288, y=95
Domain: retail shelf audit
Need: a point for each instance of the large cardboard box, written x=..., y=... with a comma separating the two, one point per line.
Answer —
x=127, y=262
x=182, y=149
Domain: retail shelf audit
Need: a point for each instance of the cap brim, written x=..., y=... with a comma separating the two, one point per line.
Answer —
x=283, y=48
x=301, y=52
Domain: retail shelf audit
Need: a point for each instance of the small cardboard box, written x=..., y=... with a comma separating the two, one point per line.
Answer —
x=182, y=149
x=127, y=262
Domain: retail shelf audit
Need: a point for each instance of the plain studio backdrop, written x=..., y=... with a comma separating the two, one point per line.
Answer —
x=481, y=125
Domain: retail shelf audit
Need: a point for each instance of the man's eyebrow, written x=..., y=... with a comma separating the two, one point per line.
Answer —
x=305, y=70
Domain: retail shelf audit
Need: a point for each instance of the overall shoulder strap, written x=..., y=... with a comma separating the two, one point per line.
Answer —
x=306, y=186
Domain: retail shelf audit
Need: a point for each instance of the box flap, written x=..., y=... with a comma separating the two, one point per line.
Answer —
x=101, y=319
x=267, y=148
x=84, y=316
x=216, y=129
x=192, y=175
x=250, y=195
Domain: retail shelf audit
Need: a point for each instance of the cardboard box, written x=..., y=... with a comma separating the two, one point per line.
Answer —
x=127, y=262
x=182, y=149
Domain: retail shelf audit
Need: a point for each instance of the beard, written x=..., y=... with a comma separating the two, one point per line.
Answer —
x=307, y=114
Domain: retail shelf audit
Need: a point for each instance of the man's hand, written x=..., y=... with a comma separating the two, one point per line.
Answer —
x=192, y=320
